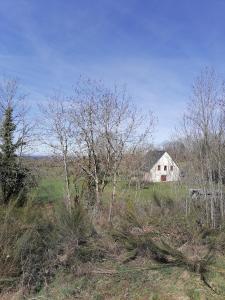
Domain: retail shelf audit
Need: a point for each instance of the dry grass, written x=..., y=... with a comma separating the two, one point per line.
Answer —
x=149, y=251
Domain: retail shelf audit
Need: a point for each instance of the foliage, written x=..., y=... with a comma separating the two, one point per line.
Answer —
x=13, y=176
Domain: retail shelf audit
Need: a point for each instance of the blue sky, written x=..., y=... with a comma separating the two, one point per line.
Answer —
x=155, y=47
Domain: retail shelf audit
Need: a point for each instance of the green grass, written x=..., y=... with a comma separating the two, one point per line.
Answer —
x=175, y=191
x=163, y=190
x=50, y=189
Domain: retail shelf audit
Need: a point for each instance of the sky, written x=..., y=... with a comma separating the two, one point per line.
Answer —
x=155, y=47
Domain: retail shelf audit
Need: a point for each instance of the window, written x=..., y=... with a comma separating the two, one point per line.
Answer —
x=159, y=168
x=165, y=168
x=171, y=168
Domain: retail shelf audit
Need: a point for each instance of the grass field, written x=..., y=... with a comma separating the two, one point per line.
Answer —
x=51, y=188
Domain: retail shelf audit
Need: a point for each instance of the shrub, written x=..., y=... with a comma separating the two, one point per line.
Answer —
x=77, y=238
x=13, y=176
x=35, y=242
x=157, y=242
x=26, y=246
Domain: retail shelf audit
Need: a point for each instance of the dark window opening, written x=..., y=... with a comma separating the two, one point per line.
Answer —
x=165, y=168
x=158, y=167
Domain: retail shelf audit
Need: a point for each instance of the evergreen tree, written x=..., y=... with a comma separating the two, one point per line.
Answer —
x=12, y=174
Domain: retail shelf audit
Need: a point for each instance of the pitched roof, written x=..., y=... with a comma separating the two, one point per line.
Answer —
x=151, y=158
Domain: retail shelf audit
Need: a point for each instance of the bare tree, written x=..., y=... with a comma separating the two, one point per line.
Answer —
x=84, y=114
x=108, y=125
x=56, y=134
x=204, y=137
x=176, y=148
x=123, y=131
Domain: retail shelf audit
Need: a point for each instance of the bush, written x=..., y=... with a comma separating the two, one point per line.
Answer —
x=171, y=244
x=26, y=246
x=35, y=242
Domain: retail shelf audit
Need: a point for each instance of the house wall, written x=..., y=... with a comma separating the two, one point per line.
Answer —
x=154, y=175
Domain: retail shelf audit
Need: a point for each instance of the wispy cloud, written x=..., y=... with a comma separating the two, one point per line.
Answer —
x=155, y=48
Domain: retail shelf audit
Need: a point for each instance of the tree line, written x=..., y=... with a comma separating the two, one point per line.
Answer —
x=90, y=131
x=99, y=134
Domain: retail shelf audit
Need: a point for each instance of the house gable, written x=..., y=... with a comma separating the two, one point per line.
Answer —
x=162, y=169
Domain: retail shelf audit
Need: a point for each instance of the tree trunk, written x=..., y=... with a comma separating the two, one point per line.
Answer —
x=97, y=192
x=112, y=198
x=67, y=183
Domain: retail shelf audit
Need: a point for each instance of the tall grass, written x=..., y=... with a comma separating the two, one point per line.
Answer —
x=35, y=242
